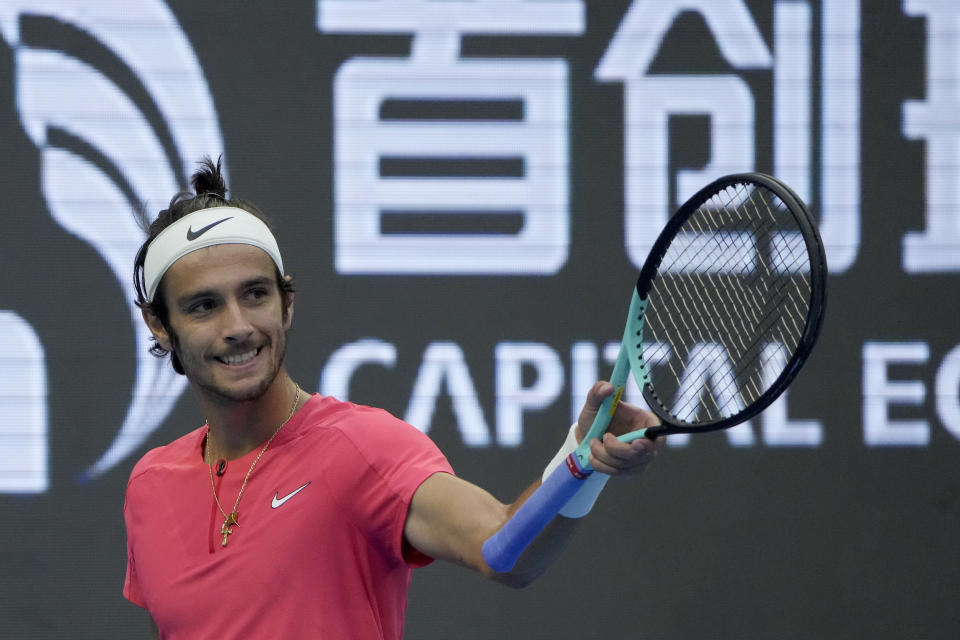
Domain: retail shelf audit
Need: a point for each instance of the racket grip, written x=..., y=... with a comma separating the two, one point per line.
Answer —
x=502, y=549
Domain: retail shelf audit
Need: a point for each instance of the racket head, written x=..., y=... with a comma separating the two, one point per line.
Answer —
x=734, y=293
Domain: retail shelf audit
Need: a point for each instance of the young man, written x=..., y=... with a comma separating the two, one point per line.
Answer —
x=291, y=515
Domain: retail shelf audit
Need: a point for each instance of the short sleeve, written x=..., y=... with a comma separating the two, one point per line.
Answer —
x=376, y=464
x=131, y=586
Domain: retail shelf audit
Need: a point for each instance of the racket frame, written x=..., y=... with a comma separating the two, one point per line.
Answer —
x=502, y=549
x=811, y=330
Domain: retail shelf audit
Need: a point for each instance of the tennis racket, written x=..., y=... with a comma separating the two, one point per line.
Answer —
x=727, y=307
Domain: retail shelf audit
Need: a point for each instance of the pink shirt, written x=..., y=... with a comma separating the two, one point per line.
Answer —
x=319, y=550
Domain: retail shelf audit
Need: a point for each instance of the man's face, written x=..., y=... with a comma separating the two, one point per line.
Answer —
x=226, y=321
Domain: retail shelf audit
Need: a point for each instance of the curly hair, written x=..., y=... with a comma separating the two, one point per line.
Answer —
x=209, y=190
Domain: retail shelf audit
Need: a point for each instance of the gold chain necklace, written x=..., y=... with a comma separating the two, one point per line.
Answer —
x=232, y=519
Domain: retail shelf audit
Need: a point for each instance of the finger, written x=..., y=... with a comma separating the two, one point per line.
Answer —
x=627, y=451
x=618, y=468
x=613, y=457
x=595, y=397
x=629, y=417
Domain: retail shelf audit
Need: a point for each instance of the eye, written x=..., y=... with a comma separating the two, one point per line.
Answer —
x=200, y=306
x=257, y=293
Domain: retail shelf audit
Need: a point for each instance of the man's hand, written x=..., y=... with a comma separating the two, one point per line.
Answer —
x=611, y=456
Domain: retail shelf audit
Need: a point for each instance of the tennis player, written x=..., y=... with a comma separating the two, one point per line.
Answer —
x=289, y=514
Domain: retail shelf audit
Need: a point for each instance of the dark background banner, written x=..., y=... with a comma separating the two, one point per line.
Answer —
x=464, y=191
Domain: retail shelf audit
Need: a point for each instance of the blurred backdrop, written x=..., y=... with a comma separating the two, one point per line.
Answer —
x=465, y=191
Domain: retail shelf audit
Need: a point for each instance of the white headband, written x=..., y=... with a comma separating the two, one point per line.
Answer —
x=205, y=228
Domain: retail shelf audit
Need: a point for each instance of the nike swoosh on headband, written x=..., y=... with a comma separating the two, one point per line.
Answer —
x=278, y=501
x=193, y=235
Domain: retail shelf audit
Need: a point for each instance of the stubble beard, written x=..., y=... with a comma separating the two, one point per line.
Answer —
x=194, y=373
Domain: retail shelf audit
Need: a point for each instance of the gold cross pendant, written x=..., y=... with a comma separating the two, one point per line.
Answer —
x=225, y=530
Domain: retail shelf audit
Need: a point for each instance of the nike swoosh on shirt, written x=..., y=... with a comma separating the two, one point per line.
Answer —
x=277, y=500
x=193, y=235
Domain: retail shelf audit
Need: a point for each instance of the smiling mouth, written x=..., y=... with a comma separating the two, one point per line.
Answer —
x=240, y=358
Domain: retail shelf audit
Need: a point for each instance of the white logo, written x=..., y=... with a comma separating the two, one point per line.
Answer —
x=516, y=221
x=118, y=126
x=277, y=500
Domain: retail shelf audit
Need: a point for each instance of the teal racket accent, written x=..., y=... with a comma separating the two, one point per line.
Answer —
x=629, y=359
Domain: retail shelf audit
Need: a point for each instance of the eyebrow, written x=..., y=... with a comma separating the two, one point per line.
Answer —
x=187, y=298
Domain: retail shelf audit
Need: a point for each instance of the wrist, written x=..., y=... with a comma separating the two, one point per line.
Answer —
x=583, y=500
x=569, y=446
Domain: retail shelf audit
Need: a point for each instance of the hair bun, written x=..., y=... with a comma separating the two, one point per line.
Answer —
x=208, y=180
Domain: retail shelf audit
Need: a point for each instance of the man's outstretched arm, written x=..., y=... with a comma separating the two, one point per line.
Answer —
x=450, y=518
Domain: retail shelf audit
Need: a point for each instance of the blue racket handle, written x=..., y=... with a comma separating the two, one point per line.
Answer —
x=502, y=549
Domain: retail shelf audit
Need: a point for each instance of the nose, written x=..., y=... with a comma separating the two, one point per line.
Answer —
x=236, y=325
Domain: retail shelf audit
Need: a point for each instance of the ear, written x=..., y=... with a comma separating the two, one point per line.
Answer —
x=288, y=299
x=157, y=329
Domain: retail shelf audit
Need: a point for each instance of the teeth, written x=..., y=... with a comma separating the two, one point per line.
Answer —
x=240, y=358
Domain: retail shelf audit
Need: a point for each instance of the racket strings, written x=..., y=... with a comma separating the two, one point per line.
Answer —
x=753, y=386
x=695, y=230
x=731, y=296
x=749, y=357
x=740, y=295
